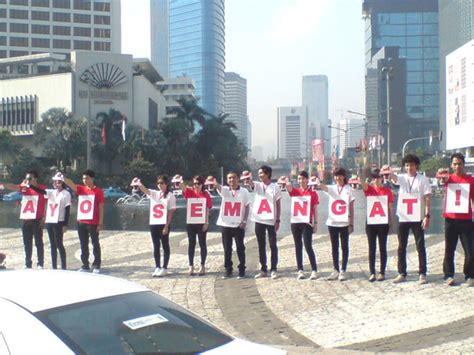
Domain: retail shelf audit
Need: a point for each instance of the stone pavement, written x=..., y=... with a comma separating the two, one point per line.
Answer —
x=301, y=316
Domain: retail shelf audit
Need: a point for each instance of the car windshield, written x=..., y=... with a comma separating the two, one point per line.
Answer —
x=142, y=322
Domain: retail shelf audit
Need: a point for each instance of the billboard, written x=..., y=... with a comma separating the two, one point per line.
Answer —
x=460, y=97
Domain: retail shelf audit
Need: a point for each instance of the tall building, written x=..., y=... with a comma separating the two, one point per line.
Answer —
x=249, y=134
x=315, y=106
x=236, y=104
x=188, y=38
x=412, y=26
x=292, y=133
x=58, y=26
x=174, y=89
x=456, y=28
x=351, y=131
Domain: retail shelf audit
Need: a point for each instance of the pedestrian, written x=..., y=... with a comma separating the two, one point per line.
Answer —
x=32, y=217
x=233, y=218
x=90, y=218
x=413, y=211
x=458, y=224
x=340, y=221
x=198, y=207
x=162, y=207
x=266, y=212
x=379, y=218
x=304, y=222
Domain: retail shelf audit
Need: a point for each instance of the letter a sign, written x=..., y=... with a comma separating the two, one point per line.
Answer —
x=196, y=211
x=377, y=210
x=262, y=209
x=457, y=198
x=300, y=209
x=29, y=206
x=85, y=207
x=409, y=207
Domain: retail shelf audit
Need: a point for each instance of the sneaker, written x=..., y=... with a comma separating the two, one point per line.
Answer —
x=372, y=278
x=300, y=275
x=202, y=270
x=314, y=275
x=342, y=276
x=334, y=275
x=156, y=272
x=261, y=274
x=381, y=277
x=422, y=279
x=274, y=275
x=26, y=267
x=450, y=281
x=227, y=274
x=83, y=269
x=399, y=279
x=470, y=282
x=163, y=272
x=241, y=275
x=96, y=271
x=39, y=267
x=191, y=271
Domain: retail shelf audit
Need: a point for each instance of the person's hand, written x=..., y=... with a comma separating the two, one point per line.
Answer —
x=425, y=224
x=351, y=229
x=315, y=227
x=25, y=183
x=166, y=229
x=205, y=227
x=136, y=182
x=277, y=226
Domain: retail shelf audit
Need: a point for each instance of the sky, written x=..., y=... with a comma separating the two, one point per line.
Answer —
x=273, y=43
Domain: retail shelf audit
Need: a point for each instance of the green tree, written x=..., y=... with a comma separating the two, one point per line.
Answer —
x=142, y=168
x=26, y=161
x=430, y=166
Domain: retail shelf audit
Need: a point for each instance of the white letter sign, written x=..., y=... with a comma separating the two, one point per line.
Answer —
x=196, y=211
x=300, y=209
x=158, y=212
x=29, y=206
x=457, y=198
x=85, y=207
x=262, y=209
x=409, y=207
x=377, y=210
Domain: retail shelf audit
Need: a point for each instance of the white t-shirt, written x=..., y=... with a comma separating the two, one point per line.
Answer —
x=63, y=198
x=230, y=201
x=336, y=192
x=271, y=192
x=418, y=184
x=157, y=196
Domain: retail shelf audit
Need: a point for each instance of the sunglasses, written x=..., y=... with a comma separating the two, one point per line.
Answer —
x=196, y=183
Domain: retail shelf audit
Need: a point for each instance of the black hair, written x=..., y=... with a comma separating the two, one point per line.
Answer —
x=200, y=179
x=34, y=173
x=266, y=170
x=233, y=172
x=339, y=172
x=375, y=174
x=411, y=158
x=166, y=180
x=458, y=156
x=303, y=174
x=89, y=173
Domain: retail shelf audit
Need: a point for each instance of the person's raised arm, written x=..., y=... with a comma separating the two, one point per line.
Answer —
x=71, y=184
x=363, y=182
x=136, y=182
x=288, y=184
x=8, y=186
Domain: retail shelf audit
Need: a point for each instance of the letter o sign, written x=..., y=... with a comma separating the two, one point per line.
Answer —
x=86, y=206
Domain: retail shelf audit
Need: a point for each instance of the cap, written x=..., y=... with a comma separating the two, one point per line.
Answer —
x=313, y=180
x=210, y=180
x=282, y=180
x=58, y=176
x=246, y=175
x=177, y=178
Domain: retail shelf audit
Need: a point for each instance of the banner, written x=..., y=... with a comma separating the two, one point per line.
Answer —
x=52, y=211
x=338, y=209
x=232, y=212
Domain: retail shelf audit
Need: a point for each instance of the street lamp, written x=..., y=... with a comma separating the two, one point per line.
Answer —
x=388, y=72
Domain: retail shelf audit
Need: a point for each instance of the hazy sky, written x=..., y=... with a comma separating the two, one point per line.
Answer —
x=273, y=43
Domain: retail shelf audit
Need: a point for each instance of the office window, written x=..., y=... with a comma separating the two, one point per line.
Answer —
x=101, y=20
x=3, y=27
x=82, y=18
x=82, y=4
x=40, y=3
x=82, y=32
x=40, y=42
x=3, y=13
x=40, y=15
x=40, y=29
x=85, y=45
x=19, y=14
x=18, y=53
x=3, y=41
x=102, y=6
x=62, y=30
x=19, y=27
x=62, y=4
x=102, y=32
x=61, y=17
x=19, y=2
x=3, y=1
x=19, y=41
x=3, y=54
x=62, y=44
x=102, y=46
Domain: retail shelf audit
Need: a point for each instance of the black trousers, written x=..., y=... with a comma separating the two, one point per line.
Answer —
x=193, y=231
x=55, y=234
x=336, y=233
x=260, y=232
x=159, y=239
x=228, y=235
x=403, y=232
x=455, y=229
x=85, y=231
x=380, y=232
x=32, y=229
x=303, y=233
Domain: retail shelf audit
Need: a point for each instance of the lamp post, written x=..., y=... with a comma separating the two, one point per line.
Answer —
x=388, y=72
x=88, y=143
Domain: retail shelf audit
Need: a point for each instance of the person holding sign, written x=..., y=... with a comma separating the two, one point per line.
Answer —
x=458, y=220
x=162, y=207
x=379, y=217
x=304, y=221
x=233, y=217
x=90, y=218
x=57, y=217
x=413, y=211
x=266, y=212
x=198, y=206
x=32, y=216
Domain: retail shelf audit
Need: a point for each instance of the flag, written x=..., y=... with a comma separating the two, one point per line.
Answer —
x=124, y=124
x=103, y=135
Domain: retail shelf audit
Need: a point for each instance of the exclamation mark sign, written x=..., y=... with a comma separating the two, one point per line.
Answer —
x=458, y=198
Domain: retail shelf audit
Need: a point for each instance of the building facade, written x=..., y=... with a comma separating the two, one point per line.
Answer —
x=236, y=105
x=292, y=133
x=193, y=46
x=58, y=26
x=351, y=132
x=412, y=26
x=174, y=89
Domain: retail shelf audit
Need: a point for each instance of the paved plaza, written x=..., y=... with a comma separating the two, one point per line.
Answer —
x=301, y=316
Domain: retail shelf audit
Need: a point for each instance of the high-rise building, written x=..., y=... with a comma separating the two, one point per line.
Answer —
x=188, y=38
x=351, y=132
x=292, y=133
x=58, y=26
x=412, y=26
x=249, y=134
x=315, y=106
x=236, y=104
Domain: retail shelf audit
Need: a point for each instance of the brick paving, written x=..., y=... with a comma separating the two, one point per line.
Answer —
x=301, y=316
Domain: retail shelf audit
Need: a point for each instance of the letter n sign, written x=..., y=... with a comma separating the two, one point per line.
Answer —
x=300, y=209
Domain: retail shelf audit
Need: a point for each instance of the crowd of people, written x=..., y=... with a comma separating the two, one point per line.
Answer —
x=52, y=206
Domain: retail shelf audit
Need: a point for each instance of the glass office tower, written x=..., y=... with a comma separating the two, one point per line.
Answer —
x=194, y=45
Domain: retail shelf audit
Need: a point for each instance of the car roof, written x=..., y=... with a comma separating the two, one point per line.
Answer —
x=38, y=290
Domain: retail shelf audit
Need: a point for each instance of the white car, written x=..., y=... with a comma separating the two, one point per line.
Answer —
x=66, y=312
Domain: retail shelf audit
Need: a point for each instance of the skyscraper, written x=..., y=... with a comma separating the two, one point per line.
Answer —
x=188, y=38
x=236, y=104
x=412, y=26
x=58, y=26
x=292, y=133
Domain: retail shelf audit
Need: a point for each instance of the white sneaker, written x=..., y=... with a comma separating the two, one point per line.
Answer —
x=156, y=273
x=163, y=272
x=39, y=267
x=96, y=271
x=422, y=279
x=300, y=275
x=274, y=275
x=342, y=276
x=334, y=275
x=261, y=274
x=314, y=275
x=470, y=282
